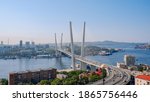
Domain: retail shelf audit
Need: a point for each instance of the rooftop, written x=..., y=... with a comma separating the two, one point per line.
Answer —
x=144, y=77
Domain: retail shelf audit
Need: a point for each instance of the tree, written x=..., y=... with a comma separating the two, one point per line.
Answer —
x=56, y=82
x=4, y=81
x=93, y=78
x=140, y=69
x=70, y=81
x=44, y=82
x=83, y=81
x=104, y=73
x=75, y=73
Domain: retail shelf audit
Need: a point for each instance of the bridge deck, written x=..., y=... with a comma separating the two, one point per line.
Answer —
x=82, y=59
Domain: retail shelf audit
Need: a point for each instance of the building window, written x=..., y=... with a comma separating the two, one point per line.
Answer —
x=19, y=76
x=49, y=76
x=33, y=75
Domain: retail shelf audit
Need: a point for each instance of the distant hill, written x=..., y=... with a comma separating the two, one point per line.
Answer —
x=112, y=44
x=107, y=44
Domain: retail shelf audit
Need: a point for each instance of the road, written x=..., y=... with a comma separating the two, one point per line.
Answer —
x=117, y=76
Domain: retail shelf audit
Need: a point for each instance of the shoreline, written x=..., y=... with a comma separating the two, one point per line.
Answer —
x=67, y=70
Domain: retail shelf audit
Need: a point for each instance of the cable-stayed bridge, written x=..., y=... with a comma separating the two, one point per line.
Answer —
x=115, y=76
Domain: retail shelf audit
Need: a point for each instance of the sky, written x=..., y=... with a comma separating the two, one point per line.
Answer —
x=39, y=20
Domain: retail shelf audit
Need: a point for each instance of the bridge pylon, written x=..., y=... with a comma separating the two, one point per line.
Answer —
x=61, y=42
x=72, y=48
x=83, y=65
x=56, y=47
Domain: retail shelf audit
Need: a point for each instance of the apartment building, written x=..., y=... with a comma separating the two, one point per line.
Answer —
x=31, y=76
x=142, y=80
x=129, y=60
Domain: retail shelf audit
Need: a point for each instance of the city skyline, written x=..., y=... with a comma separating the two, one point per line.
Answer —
x=35, y=20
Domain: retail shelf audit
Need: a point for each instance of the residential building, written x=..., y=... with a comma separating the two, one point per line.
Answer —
x=27, y=44
x=142, y=80
x=129, y=60
x=61, y=76
x=20, y=43
x=0, y=81
x=121, y=65
x=2, y=43
x=31, y=76
x=32, y=44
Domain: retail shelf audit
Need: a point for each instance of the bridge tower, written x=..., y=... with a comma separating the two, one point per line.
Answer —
x=72, y=47
x=83, y=46
x=61, y=46
x=61, y=41
x=56, y=47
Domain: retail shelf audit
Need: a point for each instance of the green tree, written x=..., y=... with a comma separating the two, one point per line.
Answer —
x=4, y=81
x=56, y=82
x=93, y=78
x=75, y=73
x=44, y=82
x=140, y=69
x=83, y=81
x=70, y=81
x=104, y=74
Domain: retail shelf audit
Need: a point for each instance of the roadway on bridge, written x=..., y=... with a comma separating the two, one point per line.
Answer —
x=116, y=76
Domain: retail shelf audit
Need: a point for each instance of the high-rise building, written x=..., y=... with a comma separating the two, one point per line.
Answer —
x=27, y=44
x=20, y=43
x=1, y=42
x=32, y=43
x=129, y=60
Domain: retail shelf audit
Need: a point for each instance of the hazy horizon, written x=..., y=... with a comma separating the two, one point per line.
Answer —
x=38, y=20
x=105, y=41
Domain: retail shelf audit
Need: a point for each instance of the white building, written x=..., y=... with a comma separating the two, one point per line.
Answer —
x=121, y=65
x=129, y=60
x=142, y=80
x=61, y=76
